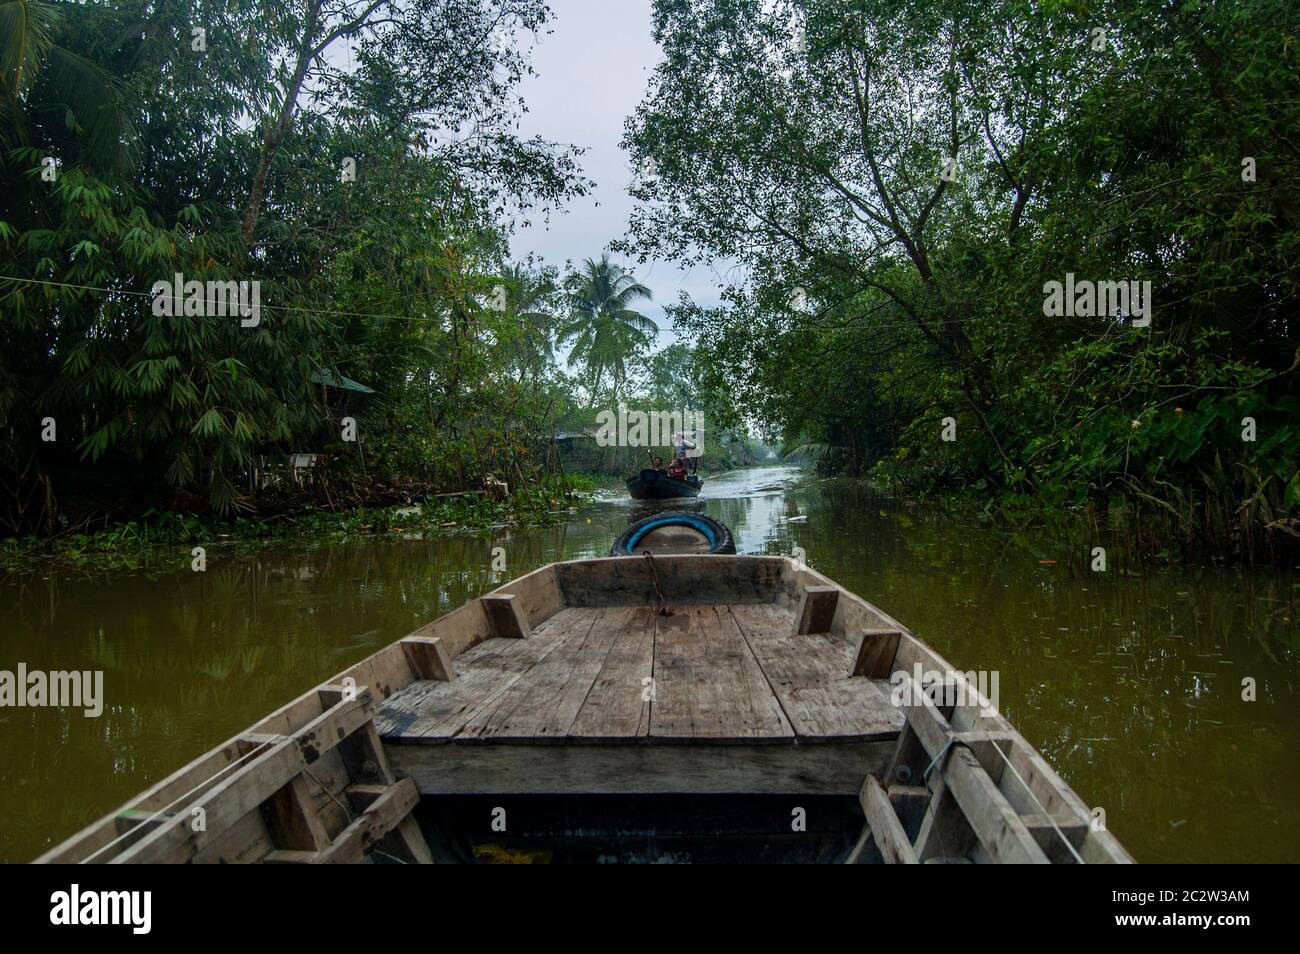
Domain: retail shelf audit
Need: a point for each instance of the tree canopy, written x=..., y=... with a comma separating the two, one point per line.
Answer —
x=898, y=181
x=358, y=160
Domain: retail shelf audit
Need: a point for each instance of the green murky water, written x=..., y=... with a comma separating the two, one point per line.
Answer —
x=1131, y=686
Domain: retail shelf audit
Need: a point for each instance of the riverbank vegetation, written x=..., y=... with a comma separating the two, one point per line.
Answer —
x=899, y=183
x=358, y=166
x=165, y=539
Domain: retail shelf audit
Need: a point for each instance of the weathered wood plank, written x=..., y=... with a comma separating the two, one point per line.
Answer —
x=538, y=594
x=408, y=844
x=291, y=818
x=874, y=658
x=965, y=707
x=543, y=703
x=811, y=679
x=618, y=706
x=1034, y=787
x=886, y=830
x=362, y=795
x=383, y=673
x=986, y=746
x=931, y=728
x=1054, y=834
x=245, y=789
x=816, y=609
x=383, y=815
x=439, y=710
x=246, y=842
x=506, y=616
x=249, y=838
x=995, y=823
x=707, y=684
x=458, y=631
x=639, y=768
x=985, y=809
x=628, y=581
x=285, y=856
x=428, y=659
x=405, y=842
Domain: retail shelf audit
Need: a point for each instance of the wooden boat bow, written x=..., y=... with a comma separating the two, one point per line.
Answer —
x=766, y=681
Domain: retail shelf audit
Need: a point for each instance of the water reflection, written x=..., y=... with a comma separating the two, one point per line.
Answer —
x=1130, y=685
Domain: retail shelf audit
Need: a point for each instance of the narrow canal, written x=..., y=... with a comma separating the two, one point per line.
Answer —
x=1132, y=685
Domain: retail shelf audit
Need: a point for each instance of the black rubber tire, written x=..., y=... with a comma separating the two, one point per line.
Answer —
x=719, y=531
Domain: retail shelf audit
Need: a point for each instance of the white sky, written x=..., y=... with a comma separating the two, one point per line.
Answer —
x=592, y=70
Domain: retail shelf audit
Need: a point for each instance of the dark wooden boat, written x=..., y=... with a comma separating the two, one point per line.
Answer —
x=701, y=707
x=657, y=485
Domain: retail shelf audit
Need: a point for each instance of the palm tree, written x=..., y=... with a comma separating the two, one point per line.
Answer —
x=603, y=329
x=46, y=85
x=528, y=302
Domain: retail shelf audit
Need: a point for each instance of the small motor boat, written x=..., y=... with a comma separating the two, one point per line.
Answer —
x=657, y=485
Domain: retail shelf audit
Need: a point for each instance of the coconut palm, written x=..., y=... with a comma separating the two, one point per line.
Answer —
x=528, y=303
x=604, y=331
x=46, y=85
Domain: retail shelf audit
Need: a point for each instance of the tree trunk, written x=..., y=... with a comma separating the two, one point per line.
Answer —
x=276, y=134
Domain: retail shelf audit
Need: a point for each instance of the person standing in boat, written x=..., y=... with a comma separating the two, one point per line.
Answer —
x=683, y=445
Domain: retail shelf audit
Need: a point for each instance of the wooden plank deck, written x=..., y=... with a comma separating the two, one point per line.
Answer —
x=810, y=676
x=708, y=685
x=707, y=674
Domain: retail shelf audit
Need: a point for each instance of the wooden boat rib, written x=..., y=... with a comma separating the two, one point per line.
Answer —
x=747, y=677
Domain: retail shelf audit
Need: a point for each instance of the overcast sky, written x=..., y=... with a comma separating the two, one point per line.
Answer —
x=592, y=71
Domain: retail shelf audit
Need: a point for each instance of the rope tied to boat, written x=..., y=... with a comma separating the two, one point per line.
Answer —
x=161, y=812
x=925, y=776
x=1041, y=807
x=659, y=593
x=954, y=740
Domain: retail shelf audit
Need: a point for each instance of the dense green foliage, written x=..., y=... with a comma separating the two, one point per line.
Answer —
x=894, y=181
x=358, y=160
x=898, y=180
